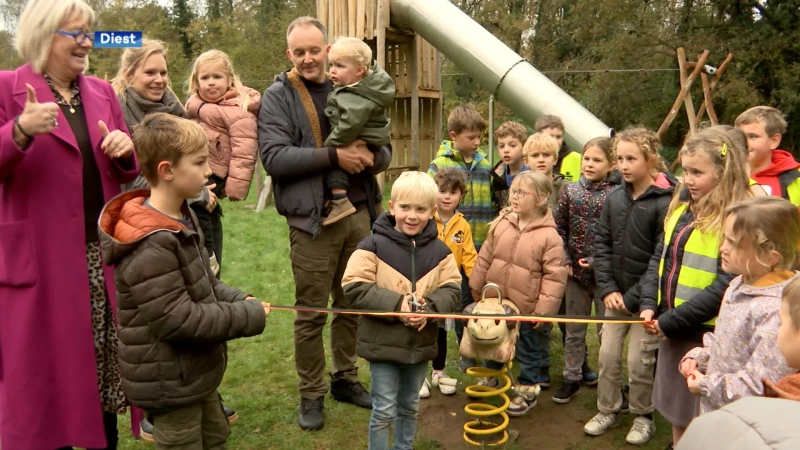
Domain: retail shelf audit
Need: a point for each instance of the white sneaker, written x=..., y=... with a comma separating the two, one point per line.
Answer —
x=524, y=401
x=601, y=423
x=425, y=390
x=446, y=384
x=641, y=432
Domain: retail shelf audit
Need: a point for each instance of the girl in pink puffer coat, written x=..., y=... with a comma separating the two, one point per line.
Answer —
x=228, y=113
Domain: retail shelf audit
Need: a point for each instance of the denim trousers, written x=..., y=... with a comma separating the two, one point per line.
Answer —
x=395, y=399
x=533, y=354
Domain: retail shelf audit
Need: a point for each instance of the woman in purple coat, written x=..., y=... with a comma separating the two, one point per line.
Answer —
x=64, y=151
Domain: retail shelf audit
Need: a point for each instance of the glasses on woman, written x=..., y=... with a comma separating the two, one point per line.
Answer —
x=80, y=36
x=520, y=193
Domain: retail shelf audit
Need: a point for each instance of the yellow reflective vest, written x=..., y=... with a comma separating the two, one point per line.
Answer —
x=571, y=166
x=698, y=267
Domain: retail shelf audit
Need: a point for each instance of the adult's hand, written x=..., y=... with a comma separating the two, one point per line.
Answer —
x=116, y=144
x=354, y=157
x=38, y=118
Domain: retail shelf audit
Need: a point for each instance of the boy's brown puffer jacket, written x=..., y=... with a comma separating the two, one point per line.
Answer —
x=232, y=138
x=174, y=316
x=528, y=264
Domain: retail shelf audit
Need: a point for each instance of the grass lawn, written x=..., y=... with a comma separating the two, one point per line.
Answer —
x=261, y=383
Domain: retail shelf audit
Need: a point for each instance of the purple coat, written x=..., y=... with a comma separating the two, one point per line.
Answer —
x=48, y=375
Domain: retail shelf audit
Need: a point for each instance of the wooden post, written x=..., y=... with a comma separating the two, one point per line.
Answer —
x=686, y=84
x=707, y=105
x=380, y=25
x=413, y=67
x=437, y=118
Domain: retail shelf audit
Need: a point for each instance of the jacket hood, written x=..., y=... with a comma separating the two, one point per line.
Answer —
x=125, y=220
x=544, y=221
x=377, y=87
x=612, y=180
x=787, y=387
x=385, y=226
x=665, y=184
x=447, y=149
x=782, y=161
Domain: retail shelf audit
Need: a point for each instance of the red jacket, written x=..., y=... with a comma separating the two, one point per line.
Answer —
x=782, y=161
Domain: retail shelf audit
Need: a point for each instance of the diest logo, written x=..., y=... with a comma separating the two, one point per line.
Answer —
x=117, y=39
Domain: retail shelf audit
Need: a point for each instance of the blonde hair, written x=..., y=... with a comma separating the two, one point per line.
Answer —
x=305, y=21
x=165, y=137
x=731, y=175
x=791, y=295
x=539, y=185
x=132, y=61
x=773, y=120
x=647, y=142
x=417, y=188
x=768, y=223
x=38, y=24
x=605, y=145
x=540, y=141
x=465, y=118
x=548, y=121
x=213, y=56
x=355, y=50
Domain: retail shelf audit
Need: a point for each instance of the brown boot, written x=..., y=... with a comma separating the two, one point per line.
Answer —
x=339, y=209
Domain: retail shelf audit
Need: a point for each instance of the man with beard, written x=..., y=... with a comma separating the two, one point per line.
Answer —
x=292, y=127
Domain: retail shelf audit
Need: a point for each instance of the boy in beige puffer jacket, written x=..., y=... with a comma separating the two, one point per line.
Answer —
x=524, y=255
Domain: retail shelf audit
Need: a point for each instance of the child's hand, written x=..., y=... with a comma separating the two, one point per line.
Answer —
x=417, y=322
x=405, y=306
x=569, y=270
x=584, y=264
x=212, y=198
x=688, y=366
x=693, y=382
x=266, y=308
x=614, y=301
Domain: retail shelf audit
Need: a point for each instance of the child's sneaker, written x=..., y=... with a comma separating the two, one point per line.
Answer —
x=524, y=401
x=425, y=390
x=568, y=389
x=446, y=384
x=641, y=432
x=338, y=210
x=491, y=382
x=601, y=423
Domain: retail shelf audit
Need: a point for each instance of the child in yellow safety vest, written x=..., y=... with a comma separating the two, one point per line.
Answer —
x=684, y=285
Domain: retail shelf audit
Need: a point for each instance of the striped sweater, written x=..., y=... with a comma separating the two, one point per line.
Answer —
x=476, y=204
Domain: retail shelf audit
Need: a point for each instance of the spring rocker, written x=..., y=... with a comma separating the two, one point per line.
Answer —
x=495, y=340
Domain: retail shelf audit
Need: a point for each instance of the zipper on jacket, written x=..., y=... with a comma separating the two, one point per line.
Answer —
x=413, y=289
x=674, y=264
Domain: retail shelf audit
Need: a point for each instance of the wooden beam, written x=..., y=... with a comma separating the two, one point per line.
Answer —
x=413, y=67
x=361, y=16
x=714, y=80
x=687, y=99
x=437, y=116
x=686, y=84
x=381, y=31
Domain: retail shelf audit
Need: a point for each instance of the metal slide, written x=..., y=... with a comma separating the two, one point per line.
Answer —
x=514, y=82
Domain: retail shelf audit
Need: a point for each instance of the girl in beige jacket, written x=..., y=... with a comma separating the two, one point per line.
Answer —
x=524, y=255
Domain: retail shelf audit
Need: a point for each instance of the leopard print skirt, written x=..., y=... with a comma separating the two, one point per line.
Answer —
x=109, y=381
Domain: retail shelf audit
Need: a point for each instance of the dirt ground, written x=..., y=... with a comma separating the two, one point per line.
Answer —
x=547, y=426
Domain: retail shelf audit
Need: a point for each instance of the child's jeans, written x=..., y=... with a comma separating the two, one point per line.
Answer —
x=395, y=398
x=579, y=299
x=533, y=354
x=201, y=425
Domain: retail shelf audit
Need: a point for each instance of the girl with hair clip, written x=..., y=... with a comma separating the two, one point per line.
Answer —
x=228, y=113
x=684, y=285
x=524, y=255
x=759, y=244
x=625, y=237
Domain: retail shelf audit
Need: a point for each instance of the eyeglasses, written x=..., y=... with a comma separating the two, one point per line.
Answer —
x=80, y=36
x=520, y=193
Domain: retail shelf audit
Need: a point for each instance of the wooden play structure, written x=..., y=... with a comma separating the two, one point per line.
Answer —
x=709, y=76
x=415, y=66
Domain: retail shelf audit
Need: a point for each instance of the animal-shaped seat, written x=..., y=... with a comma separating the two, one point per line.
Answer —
x=490, y=339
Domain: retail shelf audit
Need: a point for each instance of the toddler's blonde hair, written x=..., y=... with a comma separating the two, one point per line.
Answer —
x=354, y=50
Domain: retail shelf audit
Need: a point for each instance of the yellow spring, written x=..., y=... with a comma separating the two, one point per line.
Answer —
x=480, y=426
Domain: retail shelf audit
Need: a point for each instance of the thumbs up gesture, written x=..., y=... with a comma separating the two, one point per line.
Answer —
x=116, y=144
x=38, y=118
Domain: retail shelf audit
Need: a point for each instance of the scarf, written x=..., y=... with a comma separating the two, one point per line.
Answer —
x=136, y=108
x=308, y=105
